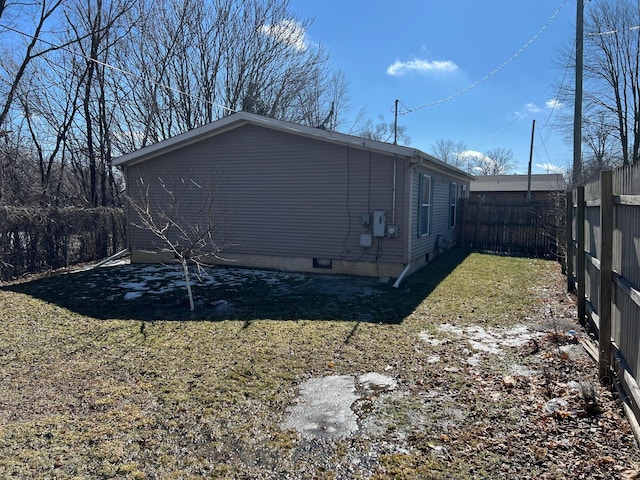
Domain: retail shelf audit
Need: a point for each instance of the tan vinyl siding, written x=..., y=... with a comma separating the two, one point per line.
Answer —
x=439, y=228
x=282, y=194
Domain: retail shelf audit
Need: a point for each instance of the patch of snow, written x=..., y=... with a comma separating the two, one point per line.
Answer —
x=377, y=382
x=448, y=328
x=132, y=295
x=430, y=339
x=433, y=359
x=222, y=306
x=491, y=341
x=521, y=371
x=323, y=408
x=556, y=404
x=574, y=351
x=485, y=345
x=134, y=285
x=474, y=360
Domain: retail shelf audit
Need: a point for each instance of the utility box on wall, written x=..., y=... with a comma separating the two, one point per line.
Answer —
x=379, y=223
x=366, y=240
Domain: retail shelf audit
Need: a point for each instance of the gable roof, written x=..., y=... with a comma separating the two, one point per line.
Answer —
x=551, y=182
x=240, y=119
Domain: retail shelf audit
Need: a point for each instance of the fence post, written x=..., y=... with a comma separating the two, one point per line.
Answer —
x=606, y=262
x=475, y=234
x=580, y=252
x=569, y=239
x=461, y=221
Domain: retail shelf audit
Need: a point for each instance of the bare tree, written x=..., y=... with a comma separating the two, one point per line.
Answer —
x=599, y=137
x=12, y=73
x=193, y=236
x=383, y=131
x=450, y=152
x=95, y=30
x=116, y=75
x=612, y=69
x=498, y=161
x=219, y=56
x=49, y=105
x=17, y=168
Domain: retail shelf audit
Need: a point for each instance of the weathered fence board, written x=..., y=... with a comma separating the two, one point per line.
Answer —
x=604, y=254
x=514, y=227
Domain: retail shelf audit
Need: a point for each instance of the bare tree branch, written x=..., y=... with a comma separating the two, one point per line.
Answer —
x=162, y=211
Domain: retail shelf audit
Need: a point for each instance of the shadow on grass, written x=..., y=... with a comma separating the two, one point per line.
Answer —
x=149, y=293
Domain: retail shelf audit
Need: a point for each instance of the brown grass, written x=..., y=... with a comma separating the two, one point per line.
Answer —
x=94, y=387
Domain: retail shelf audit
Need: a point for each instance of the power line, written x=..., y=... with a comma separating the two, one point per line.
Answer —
x=613, y=32
x=522, y=114
x=493, y=72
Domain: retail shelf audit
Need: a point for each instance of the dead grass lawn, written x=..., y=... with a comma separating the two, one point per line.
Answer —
x=94, y=386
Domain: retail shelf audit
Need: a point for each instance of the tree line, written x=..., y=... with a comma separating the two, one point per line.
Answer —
x=611, y=86
x=83, y=81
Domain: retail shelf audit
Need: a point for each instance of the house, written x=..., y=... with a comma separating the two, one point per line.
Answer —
x=299, y=198
x=515, y=187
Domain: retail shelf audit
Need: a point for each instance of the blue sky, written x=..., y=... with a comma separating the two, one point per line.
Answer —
x=423, y=51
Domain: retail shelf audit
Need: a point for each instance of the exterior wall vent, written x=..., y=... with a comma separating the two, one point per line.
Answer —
x=325, y=263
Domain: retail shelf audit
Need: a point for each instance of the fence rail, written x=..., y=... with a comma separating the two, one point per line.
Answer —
x=603, y=251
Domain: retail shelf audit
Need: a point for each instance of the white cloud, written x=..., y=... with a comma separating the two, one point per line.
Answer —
x=400, y=68
x=472, y=154
x=532, y=108
x=550, y=168
x=287, y=32
x=527, y=109
x=554, y=103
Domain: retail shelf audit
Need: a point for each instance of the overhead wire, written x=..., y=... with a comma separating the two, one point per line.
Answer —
x=552, y=110
x=493, y=72
x=522, y=114
x=613, y=32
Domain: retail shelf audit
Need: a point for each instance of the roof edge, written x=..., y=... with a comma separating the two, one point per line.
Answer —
x=239, y=119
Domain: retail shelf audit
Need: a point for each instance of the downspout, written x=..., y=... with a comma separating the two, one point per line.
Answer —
x=393, y=197
x=402, y=275
x=407, y=267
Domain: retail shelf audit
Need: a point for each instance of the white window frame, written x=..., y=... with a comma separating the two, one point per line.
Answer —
x=453, y=204
x=424, y=205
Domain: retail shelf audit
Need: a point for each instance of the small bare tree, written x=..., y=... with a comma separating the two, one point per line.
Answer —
x=383, y=131
x=185, y=218
x=498, y=161
x=450, y=152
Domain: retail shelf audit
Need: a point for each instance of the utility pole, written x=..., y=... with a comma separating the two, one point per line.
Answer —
x=533, y=130
x=577, y=115
x=395, y=125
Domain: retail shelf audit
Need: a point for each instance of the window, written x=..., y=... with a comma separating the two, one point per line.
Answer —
x=424, y=205
x=453, y=202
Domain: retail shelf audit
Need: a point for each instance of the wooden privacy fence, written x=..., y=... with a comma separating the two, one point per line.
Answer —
x=515, y=227
x=603, y=247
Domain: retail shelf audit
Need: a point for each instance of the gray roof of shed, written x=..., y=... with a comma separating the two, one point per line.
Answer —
x=239, y=119
x=541, y=182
